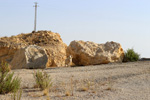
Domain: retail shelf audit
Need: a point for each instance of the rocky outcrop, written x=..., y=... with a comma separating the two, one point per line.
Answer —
x=29, y=57
x=90, y=53
x=51, y=42
x=81, y=53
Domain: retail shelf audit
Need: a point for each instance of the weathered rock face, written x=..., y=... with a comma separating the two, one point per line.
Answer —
x=51, y=42
x=90, y=53
x=56, y=55
x=8, y=49
x=29, y=57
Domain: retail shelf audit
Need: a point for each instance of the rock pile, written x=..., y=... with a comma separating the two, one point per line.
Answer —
x=46, y=49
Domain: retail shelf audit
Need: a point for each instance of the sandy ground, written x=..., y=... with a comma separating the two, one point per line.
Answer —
x=124, y=81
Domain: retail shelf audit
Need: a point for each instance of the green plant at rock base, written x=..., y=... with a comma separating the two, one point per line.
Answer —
x=43, y=80
x=7, y=82
x=131, y=55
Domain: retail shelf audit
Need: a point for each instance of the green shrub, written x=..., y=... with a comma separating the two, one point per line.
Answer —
x=7, y=82
x=16, y=95
x=43, y=80
x=131, y=55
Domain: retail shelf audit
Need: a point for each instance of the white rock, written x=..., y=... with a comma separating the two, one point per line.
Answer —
x=31, y=56
x=90, y=53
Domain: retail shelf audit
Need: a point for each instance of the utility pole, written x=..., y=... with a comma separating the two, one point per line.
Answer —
x=35, y=16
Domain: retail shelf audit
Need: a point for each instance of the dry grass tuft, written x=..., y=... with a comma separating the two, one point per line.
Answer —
x=67, y=93
x=84, y=89
x=43, y=80
x=109, y=88
x=93, y=91
x=46, y=92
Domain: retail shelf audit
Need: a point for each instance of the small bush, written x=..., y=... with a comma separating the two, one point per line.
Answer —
x=43, y=80
x=131, y=55
x=7, y=82
x=16, y=95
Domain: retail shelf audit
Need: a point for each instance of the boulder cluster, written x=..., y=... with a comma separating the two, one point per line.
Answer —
x=45, y=49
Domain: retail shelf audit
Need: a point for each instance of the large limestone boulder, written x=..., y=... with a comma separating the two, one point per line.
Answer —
x=29, y=57
x=90, y=53
x=51, y=42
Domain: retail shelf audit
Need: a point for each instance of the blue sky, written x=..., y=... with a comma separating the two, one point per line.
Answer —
x=124, y=21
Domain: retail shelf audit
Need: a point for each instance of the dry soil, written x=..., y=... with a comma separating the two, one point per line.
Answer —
x=117, y=81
